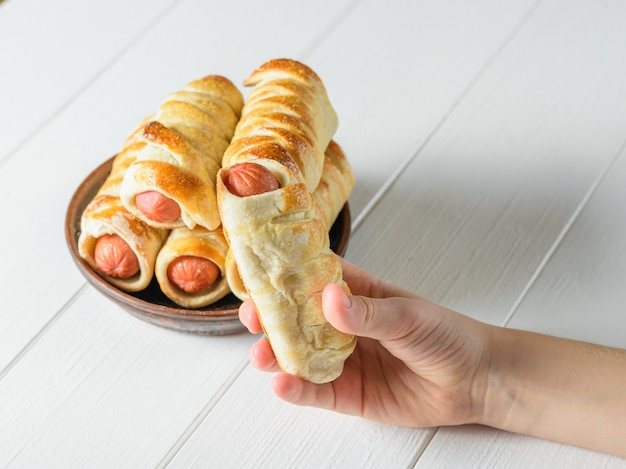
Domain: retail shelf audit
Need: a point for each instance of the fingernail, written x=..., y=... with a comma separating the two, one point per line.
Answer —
x=351, y=314
x=346, y=301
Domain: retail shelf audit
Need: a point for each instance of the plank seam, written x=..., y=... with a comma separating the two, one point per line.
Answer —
x=421, y=450
x=202, y=415
x=37, y=337
x=363, y=214
x=107, y=65
x=332, y=26
x=563, y=233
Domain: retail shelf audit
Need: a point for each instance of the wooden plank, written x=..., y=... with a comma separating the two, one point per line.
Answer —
x=412, y=68
x=479, y=447
x=104, y=389
x=267, y=432
x=45, y=172
x=579, y=294
x=471, y=218
x=39, y=73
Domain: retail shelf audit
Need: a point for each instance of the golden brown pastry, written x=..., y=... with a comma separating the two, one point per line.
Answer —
x=276, y=234
x=335, y=185
x=172, y=182
x=287, y=122
x=190, y=267
x=121, y=248
x=233, y=277
x=330, y=196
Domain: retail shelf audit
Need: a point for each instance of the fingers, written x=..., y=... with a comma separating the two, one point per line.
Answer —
x=381, y=319
x=262, y=356
x=297, y=391
x=249, y=317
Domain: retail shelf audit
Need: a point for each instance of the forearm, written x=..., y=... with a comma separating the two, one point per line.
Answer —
x=557, y=389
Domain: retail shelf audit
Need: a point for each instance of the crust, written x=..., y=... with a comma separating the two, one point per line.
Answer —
x=287, y=118
x=105, y=214
x=285, y=261
x=330, y=196
x=335, y=186
x=184, y=144
x=198, y=242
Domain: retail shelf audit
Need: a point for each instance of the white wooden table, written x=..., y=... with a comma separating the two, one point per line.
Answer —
x=488, y=142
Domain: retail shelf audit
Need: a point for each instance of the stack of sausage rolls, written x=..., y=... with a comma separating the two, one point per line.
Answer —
x=161, y=194
x=211, y=196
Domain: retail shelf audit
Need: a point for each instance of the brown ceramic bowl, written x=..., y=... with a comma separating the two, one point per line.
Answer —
x=151, y=304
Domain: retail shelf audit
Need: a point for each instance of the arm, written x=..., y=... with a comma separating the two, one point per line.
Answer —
x=557, y=389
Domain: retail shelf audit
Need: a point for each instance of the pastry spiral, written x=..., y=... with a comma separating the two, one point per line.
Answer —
x=185, y=143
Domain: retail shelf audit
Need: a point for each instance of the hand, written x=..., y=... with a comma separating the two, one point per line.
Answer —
x=415, y=363
x=419, y=364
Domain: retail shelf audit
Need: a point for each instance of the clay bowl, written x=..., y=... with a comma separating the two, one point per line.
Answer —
x=151, y=305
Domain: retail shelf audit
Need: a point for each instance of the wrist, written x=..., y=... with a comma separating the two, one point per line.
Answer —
x=497, y=392
x=524, y=385
x=491, y=400
x=552, y=388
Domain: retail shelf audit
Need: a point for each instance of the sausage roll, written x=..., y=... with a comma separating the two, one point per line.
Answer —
x=233, y=277
x=335, y=186
x=287, y=121
x=190, y=267
x=172, y=182
x=121, y=248
x=278, y=238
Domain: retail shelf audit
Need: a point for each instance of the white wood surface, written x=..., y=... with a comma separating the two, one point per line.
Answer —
x=52, y=51
x=488, y=143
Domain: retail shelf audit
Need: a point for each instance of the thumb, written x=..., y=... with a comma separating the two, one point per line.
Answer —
x=381, y=319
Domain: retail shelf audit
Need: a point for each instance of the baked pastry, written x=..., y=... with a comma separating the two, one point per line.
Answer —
x=275, y=232
x=330, y=196
x=335, y=185
x=233, y=277
x=190, y=267
x=172, y=182
x=287, y=121
x=119, y=247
